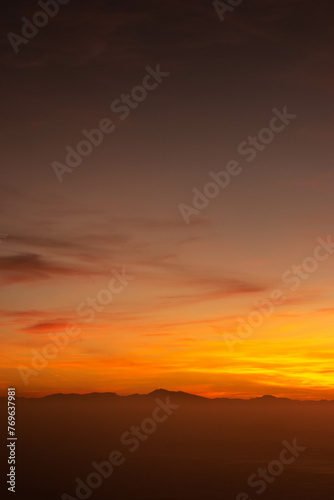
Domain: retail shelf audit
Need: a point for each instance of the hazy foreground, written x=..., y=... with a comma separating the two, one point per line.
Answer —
x=205, y=449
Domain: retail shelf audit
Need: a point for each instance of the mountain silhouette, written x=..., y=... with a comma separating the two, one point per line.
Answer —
x=178, y=395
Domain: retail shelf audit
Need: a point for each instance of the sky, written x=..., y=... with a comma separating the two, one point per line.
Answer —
x=181, y=286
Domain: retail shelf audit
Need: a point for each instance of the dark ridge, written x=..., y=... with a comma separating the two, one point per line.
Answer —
x=271, y=399
x=180, y=395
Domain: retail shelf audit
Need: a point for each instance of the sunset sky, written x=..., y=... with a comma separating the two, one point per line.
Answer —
x=119, y=209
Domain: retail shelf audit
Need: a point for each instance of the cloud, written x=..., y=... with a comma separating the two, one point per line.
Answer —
x=206, y=289
x=21, y=268
x=41, y=328
x=328, y=310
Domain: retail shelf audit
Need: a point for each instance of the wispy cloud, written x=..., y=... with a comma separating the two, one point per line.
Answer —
x=22, y=268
